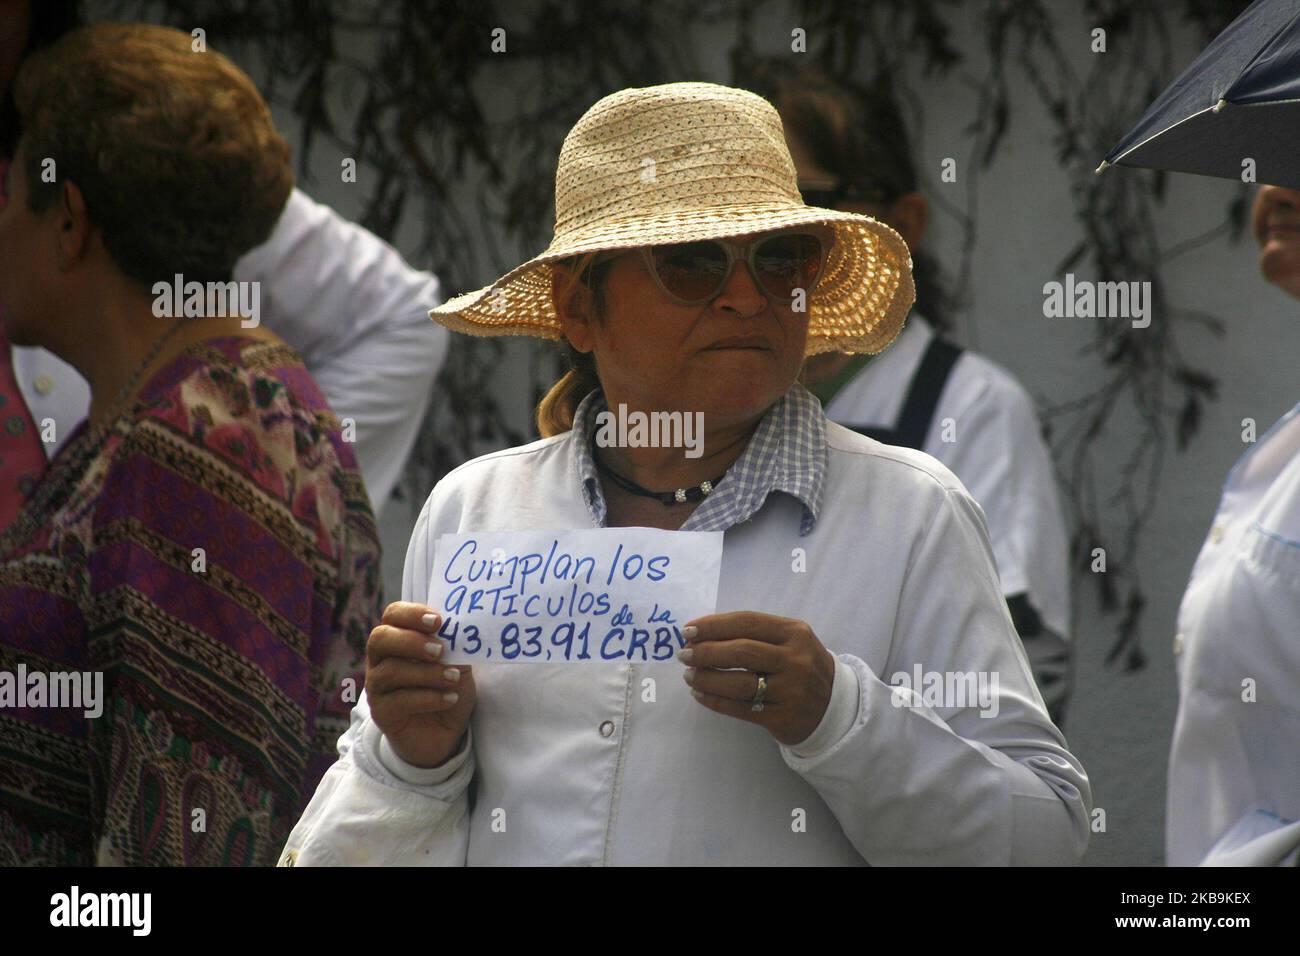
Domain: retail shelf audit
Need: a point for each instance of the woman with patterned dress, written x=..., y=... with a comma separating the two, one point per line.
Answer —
x=185, y=599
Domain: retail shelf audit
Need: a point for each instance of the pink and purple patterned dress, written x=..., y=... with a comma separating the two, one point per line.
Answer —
x=218, y=563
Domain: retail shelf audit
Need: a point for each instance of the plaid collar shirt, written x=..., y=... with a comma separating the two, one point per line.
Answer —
x=786, y=453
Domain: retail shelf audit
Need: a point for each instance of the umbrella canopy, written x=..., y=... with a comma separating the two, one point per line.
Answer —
x=1239, y=100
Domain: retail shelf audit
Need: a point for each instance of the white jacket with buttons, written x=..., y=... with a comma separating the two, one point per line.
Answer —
x=899, y=574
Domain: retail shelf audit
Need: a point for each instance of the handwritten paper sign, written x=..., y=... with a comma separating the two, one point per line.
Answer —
x=608, y=594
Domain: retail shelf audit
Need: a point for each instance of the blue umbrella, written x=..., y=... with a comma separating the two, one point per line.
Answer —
x=1238, y=101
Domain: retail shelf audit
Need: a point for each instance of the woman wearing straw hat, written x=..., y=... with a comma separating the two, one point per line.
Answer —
x=686, y=274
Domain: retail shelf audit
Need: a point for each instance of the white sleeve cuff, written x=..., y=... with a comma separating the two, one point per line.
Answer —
x=841, y=714
x=422, y=776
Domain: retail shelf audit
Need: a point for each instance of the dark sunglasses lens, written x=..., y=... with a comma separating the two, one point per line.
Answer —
x=789, y=262
x=691, y=270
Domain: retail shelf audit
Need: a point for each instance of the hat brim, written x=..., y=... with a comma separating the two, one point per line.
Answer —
x=859, y=304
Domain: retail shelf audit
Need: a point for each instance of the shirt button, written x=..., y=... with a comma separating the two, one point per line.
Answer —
x=1216, y=533
x=1178, y=643
x=44, y=384
x=607, y=728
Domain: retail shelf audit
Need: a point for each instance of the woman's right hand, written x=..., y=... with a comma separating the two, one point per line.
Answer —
x=422, y=706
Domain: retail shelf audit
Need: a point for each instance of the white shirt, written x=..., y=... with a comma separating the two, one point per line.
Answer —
x=996, y=449
x=580, y=769
x=347, y=303
x=1234, y=767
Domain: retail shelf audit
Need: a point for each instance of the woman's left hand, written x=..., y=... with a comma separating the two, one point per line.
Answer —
x=799, y=671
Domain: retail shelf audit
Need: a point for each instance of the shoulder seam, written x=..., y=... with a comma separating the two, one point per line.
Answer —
x=883, y=455
x=542, y=444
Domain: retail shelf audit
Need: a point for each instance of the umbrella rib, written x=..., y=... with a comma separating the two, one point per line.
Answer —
x=1187, y=119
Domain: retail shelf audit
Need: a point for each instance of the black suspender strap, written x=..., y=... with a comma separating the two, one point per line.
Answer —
x=922, y=399
x=923, y=395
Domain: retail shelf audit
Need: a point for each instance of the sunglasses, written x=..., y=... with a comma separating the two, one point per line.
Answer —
x=692, y=273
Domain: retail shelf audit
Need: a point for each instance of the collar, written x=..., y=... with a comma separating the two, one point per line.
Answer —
x=786, y=453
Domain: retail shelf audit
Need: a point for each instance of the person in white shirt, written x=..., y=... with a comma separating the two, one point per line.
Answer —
x=1234, y=765
x=851, y=150
x=783, y=733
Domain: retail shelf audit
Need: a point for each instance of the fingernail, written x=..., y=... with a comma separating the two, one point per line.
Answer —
x=697, y=695
x=689, y=675
x=433, y=648
x=689, y=632
x=451, y=698
x=430, y=621
x=451, y=674
x=685, y=654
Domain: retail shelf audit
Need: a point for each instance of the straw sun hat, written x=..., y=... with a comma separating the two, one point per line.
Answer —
x=689, y=161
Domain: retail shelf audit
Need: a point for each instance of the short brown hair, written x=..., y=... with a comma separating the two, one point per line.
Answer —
x=175, y=152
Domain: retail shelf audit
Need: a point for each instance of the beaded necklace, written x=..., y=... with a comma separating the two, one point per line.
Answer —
x=667, y=498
